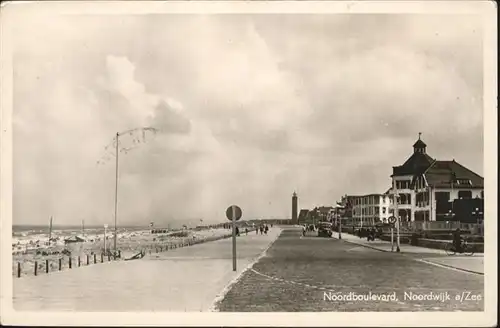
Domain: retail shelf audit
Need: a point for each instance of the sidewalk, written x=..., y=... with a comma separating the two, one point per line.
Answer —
x=474, y=263
x=184, y=279
x=386, y=246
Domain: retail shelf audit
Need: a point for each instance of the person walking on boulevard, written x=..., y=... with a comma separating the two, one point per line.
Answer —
x=457, y=241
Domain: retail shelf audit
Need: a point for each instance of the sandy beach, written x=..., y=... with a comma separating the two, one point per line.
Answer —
x=29, y=250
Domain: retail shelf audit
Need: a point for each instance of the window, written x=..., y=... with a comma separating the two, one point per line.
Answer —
x=464, y=194
x=464, y=182
x=384, y=210
x=442, y=196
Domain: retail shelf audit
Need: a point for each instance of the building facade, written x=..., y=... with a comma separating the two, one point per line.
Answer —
x=434, y=190
x=370, y=209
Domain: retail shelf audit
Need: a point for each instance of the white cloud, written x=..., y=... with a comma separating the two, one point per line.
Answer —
x=248, y=110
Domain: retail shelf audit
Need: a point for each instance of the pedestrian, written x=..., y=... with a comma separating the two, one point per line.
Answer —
x=246, y=231
x=257, y=230
x=457, y=240
x=261, y=229
x=370, y=235
x=303, y=230
x=266, y=229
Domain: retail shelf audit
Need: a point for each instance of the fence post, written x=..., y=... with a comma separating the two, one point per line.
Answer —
x=78, y=260
x=87, y=259
x=60, y=264
x=46, y=266
x=18, y=270
x=70, y=262
x=95, y=259
x=36, y=266
x=102, y=257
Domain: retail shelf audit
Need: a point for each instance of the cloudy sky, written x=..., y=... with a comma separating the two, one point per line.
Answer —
x=248, y=109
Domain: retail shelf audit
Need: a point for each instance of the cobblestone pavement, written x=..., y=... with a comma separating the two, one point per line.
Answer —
x=474, y=263
x=320, y=274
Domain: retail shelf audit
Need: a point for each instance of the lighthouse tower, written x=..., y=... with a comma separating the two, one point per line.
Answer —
x=294, y=208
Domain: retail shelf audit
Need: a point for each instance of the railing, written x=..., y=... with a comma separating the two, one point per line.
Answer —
x=443, y=225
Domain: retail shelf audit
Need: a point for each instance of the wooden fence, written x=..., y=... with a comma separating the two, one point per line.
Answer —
x=69, y=262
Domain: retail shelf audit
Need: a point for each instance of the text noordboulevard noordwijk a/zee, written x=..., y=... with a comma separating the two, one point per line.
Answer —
x=407, y=296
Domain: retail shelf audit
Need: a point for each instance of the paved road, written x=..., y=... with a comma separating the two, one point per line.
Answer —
x=305, y=274
x=474, y=263
x=184, y=279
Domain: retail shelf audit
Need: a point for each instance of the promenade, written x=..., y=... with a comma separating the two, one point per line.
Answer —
x=309, y=274
x=474, y=263
x=183, y=279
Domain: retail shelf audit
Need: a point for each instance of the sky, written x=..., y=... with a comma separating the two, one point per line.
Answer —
x=247, y=109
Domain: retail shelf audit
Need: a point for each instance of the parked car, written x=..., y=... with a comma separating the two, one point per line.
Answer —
x=324, y=229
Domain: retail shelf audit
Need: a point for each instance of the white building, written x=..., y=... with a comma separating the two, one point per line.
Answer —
x=370, y=209
x=428, y=188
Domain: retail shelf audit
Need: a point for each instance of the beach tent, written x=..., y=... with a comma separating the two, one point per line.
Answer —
x=73, y=239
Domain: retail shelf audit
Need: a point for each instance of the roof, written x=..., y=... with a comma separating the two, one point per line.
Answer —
x=442, y=173
x=324, y=209
x=417, y=163
x=419, y=144
x=303, y=212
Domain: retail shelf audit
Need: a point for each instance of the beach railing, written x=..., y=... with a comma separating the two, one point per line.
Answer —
x=49, y=265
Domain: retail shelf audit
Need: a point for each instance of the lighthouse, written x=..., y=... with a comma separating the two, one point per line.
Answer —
x=294, y=208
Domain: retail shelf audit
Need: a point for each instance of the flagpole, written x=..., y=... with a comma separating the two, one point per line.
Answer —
x=116, y=189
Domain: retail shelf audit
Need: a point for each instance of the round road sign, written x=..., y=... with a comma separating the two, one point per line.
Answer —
x=392, y=219
x=237, y=211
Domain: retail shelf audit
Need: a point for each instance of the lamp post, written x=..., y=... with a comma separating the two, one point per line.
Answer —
x=396, y=214
x=340, y=226
x=116, y=141
x=450, y=215
x=477, y=214
x=116, y=190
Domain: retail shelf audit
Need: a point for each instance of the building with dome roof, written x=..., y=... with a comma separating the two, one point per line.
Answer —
x=436, y=190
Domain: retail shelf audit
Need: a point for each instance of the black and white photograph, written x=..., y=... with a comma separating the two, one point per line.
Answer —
x=222, y=160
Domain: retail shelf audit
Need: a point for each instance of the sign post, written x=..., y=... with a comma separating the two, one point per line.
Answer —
x=340, y=227
x=392, y=239
x=397, y=234
x=392, y=220
x=233, y=213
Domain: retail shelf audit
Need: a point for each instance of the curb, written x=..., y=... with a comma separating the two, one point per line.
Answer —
x=451, y=267
x=215, y=303
x=418, y=260
x=364, y=245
